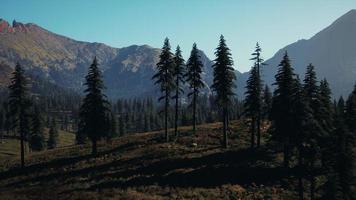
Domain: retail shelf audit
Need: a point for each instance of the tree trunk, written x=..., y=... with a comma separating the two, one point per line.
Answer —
x=225, y=127
x=312, y=187
x=94, y=147
x=300, y=179
x=176, y=116
x=286, y=155
x=166, y=117
x=259, y=128
x=194, y=112
x=252, y=132
x=22, y=149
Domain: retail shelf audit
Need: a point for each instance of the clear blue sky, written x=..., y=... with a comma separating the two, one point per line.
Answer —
x=119, y=23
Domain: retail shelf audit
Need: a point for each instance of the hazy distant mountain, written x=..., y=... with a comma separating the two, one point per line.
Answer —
x=332, y=51
x=127, y=71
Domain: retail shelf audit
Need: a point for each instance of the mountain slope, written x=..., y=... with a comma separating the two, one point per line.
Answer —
x=332, y=51
x=127, y=71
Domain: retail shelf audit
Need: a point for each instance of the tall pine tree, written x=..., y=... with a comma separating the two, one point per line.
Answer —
x=53, y=135
x=282, y=107
x=165, y=79
x=36, y=139
x=252, y=102
x=179, y=70
x=194, y=79
x=95, y=107
x=224, y=82
x=258, y=89
x=19, y=106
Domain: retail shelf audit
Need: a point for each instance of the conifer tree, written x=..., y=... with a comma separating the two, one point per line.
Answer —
x=267, y=103
x=223, y=82
x=37, y=136
x=194, y=79
x=252, y=102
x=122, y=127
x=282, y=107
x=258, y=89
x=53, y=135
x=95, y=107
x=165, y=79
x=316, y=134
x=19, y=106
x=179, y=70
x=350, y=114
x=303, y=124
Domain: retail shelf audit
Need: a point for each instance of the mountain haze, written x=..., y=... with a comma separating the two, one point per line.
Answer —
x=332, y=51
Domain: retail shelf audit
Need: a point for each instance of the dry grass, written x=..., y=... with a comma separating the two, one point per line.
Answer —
x=142, y=166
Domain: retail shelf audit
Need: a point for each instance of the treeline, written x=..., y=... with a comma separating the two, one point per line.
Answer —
x=136, y=115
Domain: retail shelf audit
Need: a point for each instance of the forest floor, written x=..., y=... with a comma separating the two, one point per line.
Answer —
x=143, y=166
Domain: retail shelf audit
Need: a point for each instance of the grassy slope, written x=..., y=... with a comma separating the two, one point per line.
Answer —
x=141, y=166
x=10, y=147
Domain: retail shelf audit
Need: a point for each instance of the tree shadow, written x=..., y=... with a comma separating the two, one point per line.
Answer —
x=234, y=167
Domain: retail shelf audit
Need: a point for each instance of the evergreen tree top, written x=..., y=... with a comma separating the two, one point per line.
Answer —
x=194, y=70
x=224, y=75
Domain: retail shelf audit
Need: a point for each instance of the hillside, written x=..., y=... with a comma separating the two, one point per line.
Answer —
x=127, y=71
x=332, y=51
x=142, y=166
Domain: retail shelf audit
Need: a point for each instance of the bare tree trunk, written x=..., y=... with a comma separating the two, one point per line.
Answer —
x=253, y=132
x=286, y=154
x=259, y=128
x=226, y=145
x=300, y=179
x=166, y=117
x=22, y=149
x=176, y=116
x=194, y=112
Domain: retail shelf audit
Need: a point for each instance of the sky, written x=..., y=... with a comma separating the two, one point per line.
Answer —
x=120, y=23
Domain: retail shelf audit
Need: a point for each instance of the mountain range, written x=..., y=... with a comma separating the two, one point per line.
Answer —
x=127, y=71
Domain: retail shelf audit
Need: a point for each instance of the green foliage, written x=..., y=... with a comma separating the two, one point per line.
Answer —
x=282, y=107
x=53, y=135
x=194, y=80
x=179, y=71
x=165, y=79
x=19, y=106
x=224, y=82
x=36, y=140
x=95, y=107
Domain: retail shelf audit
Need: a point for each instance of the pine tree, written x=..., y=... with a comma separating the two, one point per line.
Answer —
x=282, y=107
x=252, y=102
x=164, y=78
x=94, y=109
x=179, y=70
x=304, y=122
x=350, y=114
x=258, y=89
x=327, y=114
x=122, y=127
x=340, y=179
x=224, y=82
x=267, y=103
x=112, y=120
x=317, y=134
x=37, y=136
x=53, y=135
x=19, y=106
x=194, y=79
